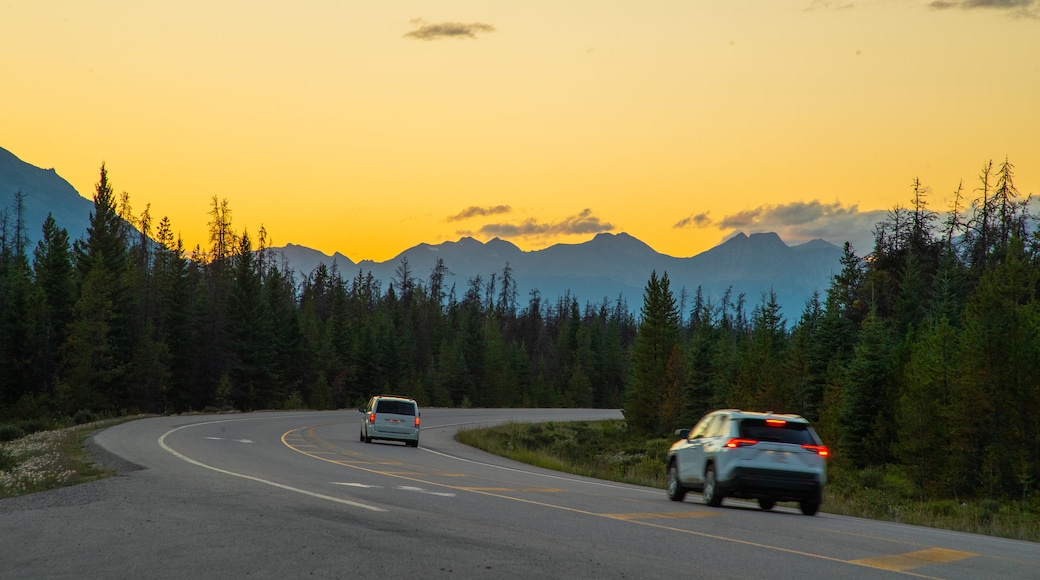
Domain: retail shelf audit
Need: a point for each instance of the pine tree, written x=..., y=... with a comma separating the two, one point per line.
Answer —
x=55, y=297
x=923, y=413
x=865, y=411
x=657, y=336
x=16, y=352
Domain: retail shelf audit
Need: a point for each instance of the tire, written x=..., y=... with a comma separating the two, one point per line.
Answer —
x=766, y=503
x=809, y=508
x=676, y=491
x=712, y=493
x=413, y=443
x=361, y=436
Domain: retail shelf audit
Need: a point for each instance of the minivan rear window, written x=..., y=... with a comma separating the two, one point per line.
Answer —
x=395, y=408
x=788, y=432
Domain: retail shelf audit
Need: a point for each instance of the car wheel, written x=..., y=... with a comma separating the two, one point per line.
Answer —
x=766, y=503
x=712, y=495
x=362, y=436
x=676, y=491
x=809, y=508
x=413, y=443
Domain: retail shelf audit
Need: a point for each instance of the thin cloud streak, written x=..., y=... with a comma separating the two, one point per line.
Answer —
x=475, y=211
x=1015, y=8
x=798, y=222
x=429, y=32
x=582, y=223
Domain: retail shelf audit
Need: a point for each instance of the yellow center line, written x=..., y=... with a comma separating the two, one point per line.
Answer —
x=514, y=489
x=900, y=562
x=651, y=516
x=488, y=492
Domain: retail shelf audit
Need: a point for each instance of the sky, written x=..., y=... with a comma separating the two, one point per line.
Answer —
x=369, y=127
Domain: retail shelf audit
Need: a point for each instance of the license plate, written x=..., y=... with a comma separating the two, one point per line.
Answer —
x=778, y=456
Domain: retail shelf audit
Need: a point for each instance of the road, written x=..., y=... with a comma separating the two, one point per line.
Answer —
x=293, y=495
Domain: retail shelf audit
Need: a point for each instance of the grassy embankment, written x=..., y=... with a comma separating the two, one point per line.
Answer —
x=606, y=450
x=47, y=459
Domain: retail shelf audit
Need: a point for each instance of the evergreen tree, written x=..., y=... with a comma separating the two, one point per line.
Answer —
x=16, y=285
x=658, y=334
x=923, y=415
x=865, y=398
x=54, y=299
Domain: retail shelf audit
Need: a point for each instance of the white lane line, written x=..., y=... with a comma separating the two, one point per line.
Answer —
x=353, y=484
x=421, y=490
x=235, y=440
x=162, y=443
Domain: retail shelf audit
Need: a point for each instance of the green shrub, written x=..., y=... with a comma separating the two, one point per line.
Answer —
x=7, y=462
x=10, y=432
x=34, y=425
x=84, y=416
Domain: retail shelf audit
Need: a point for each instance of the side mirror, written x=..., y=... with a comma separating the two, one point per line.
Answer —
x=682, y=433
x=361, y=409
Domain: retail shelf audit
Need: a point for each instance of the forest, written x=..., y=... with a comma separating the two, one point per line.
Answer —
x=922, y=353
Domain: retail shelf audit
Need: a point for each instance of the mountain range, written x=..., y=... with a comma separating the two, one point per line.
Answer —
x=607, y=267
x=610, y=266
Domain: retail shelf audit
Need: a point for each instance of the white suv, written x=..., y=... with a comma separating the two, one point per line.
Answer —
x=764, y=456
x=392, y=418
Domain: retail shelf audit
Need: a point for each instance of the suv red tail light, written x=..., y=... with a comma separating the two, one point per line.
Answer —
x=737, y=442
x=820, y=450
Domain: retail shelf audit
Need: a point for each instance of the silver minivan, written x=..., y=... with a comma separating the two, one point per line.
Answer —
x=391, y=418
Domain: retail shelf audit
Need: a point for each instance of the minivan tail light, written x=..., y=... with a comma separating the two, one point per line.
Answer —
x=372, y=418
x=736, y=442
x=417, y=422
x=820, y=450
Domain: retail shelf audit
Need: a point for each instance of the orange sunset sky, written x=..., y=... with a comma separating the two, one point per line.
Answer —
x=369, y=127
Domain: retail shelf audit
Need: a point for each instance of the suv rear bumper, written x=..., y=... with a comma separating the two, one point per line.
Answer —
x=749, y=482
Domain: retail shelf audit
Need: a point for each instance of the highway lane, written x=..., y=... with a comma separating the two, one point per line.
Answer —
x=297, y=494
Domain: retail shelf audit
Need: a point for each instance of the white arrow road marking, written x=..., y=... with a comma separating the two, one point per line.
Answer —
x=181, y=456
x=421, y=490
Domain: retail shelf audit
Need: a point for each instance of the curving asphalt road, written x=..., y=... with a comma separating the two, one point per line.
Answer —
x=294, y=495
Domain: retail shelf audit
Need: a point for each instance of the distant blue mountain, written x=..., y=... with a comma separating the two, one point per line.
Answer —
x=45, y=192
x=605, y=268
x=612, y=266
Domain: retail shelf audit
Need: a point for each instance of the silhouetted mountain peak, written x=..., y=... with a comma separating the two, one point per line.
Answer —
x=45, y=192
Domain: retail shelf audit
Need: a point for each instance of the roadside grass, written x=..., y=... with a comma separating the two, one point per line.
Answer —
x=607, y=450
x=50, y=459
x=600, y=449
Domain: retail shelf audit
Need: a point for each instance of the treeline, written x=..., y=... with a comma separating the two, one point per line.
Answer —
x=126, y=320
x=924, y=354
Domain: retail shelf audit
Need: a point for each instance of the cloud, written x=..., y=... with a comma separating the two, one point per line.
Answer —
x=447, y=30
x=829, y=5
x=1017, y=8
x=473, y=211
x=799, y=222
x=700, y=220
x=582, y=223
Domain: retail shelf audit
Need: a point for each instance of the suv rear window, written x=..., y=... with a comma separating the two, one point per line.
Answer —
x=395, y=408
x=787, y=432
